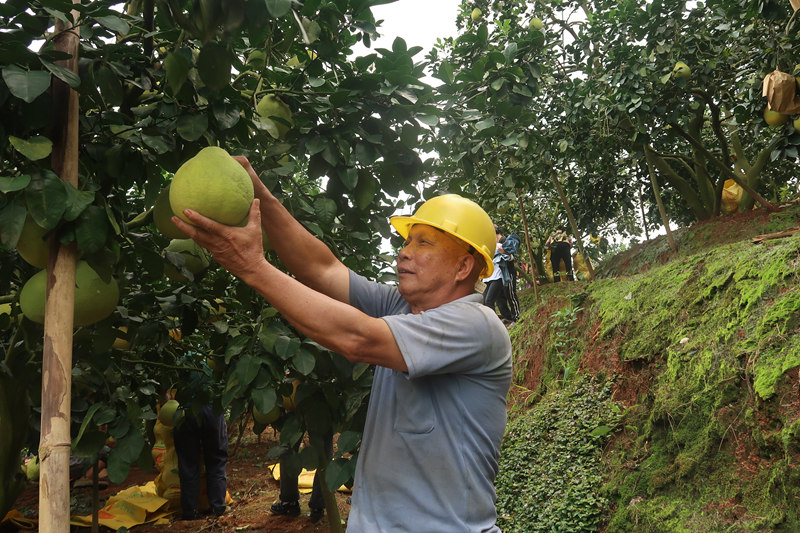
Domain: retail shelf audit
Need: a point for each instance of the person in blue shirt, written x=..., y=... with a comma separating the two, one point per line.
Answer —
x=437, y=410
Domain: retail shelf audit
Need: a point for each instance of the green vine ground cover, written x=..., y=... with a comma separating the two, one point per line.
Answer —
x=699, y=352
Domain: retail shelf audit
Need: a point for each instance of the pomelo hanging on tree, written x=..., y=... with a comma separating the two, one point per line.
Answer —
x=95, y=299
x=213, y=184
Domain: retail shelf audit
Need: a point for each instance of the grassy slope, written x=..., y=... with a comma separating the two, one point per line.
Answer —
x=681, y=405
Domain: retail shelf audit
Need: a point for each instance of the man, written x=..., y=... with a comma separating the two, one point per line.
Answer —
x=436, y=413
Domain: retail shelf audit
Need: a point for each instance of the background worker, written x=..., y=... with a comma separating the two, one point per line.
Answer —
x=289, y=502
x=437, y=410
x=560, y=244
x=202, y=440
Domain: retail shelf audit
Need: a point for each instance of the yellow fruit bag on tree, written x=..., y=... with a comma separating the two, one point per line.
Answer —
x=731, y=194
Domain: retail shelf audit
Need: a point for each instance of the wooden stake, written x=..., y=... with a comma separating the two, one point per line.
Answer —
x=55, y=440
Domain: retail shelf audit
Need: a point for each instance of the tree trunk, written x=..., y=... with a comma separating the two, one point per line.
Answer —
x=54, y=444
x=648, y=155
x=528, y=244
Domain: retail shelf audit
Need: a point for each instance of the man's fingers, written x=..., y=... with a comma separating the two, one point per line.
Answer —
x=254, y=216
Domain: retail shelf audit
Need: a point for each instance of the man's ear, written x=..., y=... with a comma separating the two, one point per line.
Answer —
x=466, y=265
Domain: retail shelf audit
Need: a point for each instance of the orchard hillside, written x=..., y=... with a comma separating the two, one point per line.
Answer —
x=664, y=396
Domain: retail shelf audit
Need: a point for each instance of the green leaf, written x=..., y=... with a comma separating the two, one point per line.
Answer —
x=214, y=66
x=247, y=369
x=349, y=177
x=484, y=124
x=14, y=183
x=177, y=67
x=76, y=202
x=226, y=114
x=91, y=231
x=192, y=127
x=35, y=148
x=428, y=120
x=337, y=473
x=365, y=190
x=601, y=431
x=26, y=84
x=114, y=24
x=285, y=347
x=125, y=453
x=110, y=86
x=304, y=361
x=446, y=72
x=12, y=218
x=325, y=209
x=348, y=441
x=264, y=399
x=278, y=8
x=46, y=198
x=63, y=73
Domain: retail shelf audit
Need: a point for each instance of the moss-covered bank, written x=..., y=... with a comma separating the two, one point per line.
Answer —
x=701, y=350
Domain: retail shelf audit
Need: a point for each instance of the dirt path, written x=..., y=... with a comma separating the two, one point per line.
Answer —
x=250, y=483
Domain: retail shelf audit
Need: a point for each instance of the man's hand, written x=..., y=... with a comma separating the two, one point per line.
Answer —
x=238, y=250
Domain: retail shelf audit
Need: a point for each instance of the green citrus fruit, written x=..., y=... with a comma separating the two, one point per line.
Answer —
x=33, y=247
x=536, y=24
x=168, y=414
x=162, y=215
x=774, y=118
x=266, y=418
x=681, y=70
x=257, y=59
x=215, y=185
x=94, y=298
x=271, y=107
x=196, y=258
x=476, y=15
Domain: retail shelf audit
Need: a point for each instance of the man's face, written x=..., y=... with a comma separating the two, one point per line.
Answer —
x=427, y=266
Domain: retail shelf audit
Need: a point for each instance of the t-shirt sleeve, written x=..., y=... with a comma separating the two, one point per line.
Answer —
x=375, y=299
x=461, y=337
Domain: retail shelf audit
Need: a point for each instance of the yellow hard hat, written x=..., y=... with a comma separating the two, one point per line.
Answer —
x=458, y=216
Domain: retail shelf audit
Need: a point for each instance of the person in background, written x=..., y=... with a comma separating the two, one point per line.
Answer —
x=202, y=440
x=510, y=248
x=501, y=286
x=437, y=409
x=560, y=244
x=289, y=503
x=494, y=283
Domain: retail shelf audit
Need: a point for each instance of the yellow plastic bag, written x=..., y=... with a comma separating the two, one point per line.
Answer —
x=731, y=194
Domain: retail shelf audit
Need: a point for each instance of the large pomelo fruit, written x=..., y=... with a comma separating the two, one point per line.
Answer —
x=162, y=215
x=213, y=184
x=94, y=298
x=32, y=246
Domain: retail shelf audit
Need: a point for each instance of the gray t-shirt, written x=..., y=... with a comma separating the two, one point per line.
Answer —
x=431, y=442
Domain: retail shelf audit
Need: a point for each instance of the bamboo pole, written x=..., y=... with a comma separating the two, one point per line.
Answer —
x=54, y=443
x=528, y=244
x=573, y=224
x=648, y=155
